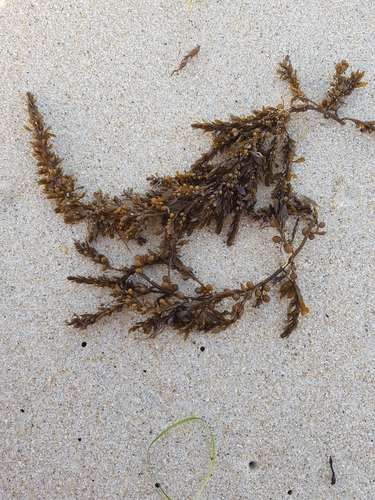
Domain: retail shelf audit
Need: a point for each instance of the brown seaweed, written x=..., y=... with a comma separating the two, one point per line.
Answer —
x=188, y=56
x=221, y=185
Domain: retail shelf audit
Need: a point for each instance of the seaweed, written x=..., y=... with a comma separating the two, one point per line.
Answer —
x=185, y=60
x=220, y=186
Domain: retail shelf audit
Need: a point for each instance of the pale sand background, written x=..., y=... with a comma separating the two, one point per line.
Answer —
x=101, y=73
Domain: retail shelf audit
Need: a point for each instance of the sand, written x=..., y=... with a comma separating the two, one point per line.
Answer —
x=80, y=408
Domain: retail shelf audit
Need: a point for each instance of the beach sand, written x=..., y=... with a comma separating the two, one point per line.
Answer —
x=80, y=408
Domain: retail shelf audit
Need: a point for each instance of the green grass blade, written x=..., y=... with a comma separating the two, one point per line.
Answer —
x=213, y=454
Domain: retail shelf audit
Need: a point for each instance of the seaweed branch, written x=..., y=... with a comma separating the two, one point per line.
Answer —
x=185, y=60
x=221, y=185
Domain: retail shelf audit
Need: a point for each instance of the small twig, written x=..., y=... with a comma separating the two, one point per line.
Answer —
x=333, y=480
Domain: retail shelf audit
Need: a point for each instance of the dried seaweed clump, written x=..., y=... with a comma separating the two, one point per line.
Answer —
x=222, y=184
